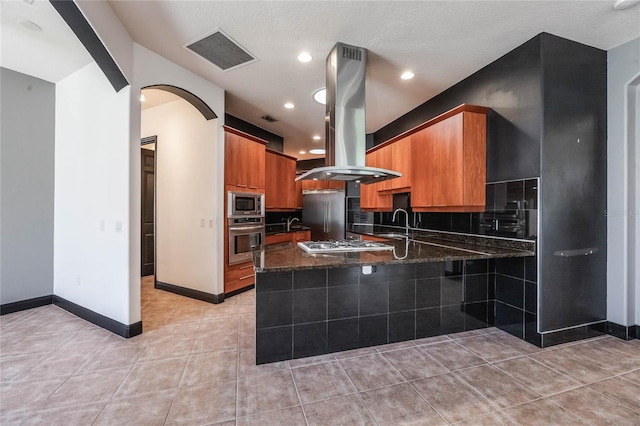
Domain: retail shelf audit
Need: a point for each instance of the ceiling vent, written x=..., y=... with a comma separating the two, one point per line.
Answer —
x=269, y=118
x=221, y=50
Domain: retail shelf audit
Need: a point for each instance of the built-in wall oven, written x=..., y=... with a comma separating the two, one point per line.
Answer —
x=245, y=235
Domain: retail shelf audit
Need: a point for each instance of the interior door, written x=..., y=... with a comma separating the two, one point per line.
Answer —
x=147, y=246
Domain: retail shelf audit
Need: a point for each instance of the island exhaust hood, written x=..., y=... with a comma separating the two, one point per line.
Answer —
x=345, y=120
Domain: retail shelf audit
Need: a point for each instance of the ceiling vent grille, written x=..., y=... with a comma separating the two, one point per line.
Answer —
x=351, y=53
x=221, y=50
x=269, y=118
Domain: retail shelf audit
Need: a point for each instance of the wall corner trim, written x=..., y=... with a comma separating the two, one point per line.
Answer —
x=100, y=320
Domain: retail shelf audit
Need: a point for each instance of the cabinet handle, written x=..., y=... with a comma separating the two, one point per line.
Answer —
x=253, y=187
x=248, y=276
x=245, y=267
x=241, y=186
x=282, y=233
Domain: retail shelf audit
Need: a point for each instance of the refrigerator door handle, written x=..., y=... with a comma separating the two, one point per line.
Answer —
x=324, y=215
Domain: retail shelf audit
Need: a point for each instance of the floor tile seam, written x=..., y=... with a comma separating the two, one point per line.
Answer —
x=571, y=387
x=617, y=354
x=561, y=373
x=579, y=361
x=497, y=360
x=295, y=386
x=621, y=375
x=268, y=411
x=512, y=347
x=573, y=343
x=473, y=388
x=353, y=385
x=575, y=414
x=524, y=385
x=12, y=379
x=295, y=367
x=473, y=353
x=55, y=376
x=409, y=379
x=175, y=393
x=427, y=401
x=575, y=417
x=634, y=409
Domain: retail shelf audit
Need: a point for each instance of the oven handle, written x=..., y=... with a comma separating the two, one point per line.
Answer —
x=246, y=228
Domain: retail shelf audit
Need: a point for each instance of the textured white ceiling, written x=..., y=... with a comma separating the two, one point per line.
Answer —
x=50, y=54
x=442, y=42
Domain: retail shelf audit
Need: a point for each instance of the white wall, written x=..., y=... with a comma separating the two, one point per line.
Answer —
x=185, y=204
x=91, y=265
x=151, y=69
x=623, y=203
x=27, y=108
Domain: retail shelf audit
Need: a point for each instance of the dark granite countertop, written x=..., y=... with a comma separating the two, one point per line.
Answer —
x=424, y=246
x=281, y=228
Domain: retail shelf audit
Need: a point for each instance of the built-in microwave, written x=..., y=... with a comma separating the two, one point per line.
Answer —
x=242, y=204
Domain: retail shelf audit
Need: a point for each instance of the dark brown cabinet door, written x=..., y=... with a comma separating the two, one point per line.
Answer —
x=147, y=244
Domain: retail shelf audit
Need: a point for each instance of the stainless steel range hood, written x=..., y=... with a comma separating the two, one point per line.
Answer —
x=345, y=120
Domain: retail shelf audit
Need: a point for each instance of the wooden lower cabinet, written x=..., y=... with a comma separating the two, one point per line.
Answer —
x=238, y=276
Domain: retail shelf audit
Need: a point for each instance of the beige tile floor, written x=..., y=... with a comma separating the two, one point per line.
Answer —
x=194, y=365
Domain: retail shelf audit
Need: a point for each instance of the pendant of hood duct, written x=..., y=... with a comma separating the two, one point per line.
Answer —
x=345, y=129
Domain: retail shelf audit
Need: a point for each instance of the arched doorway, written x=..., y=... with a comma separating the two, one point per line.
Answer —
x=178, y=170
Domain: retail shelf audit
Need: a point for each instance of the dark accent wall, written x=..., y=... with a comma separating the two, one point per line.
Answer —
x=276, y=143
x=512, y=87
x=573, y=181
x=548, y=120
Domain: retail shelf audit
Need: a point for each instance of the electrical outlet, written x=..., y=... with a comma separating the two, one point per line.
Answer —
x=210, y=223
x=118, y=226
x=102, y=225
x=202, y=223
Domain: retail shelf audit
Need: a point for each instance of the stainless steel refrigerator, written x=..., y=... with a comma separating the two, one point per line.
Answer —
x=324, y=212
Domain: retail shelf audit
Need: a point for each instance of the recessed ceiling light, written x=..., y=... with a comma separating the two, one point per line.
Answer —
x=316, y=137
x=304, y=57
x=289, y=105
x=407, y=75
x=30, y=25
x=317, y=151
x=302, y=152
x=142, y=98
x=625, y=4
x=320, y=96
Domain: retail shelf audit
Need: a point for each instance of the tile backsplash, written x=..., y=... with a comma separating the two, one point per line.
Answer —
x=511, y=211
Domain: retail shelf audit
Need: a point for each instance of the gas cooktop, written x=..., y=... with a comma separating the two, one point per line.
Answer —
x=342, y=246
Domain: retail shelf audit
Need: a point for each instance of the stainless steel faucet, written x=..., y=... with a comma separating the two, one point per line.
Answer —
x=406, y=215
x=290, y=220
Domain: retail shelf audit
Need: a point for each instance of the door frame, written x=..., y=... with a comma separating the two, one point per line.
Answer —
x=147, y=141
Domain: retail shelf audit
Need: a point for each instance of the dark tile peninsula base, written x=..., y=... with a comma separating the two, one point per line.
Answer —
x=308, y=312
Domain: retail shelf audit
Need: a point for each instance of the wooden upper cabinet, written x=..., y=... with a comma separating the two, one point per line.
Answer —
x=244, y=161
x=280, y=186
x=401, y=162
x=449, y=164
x=299, y=194
x=371, y=199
